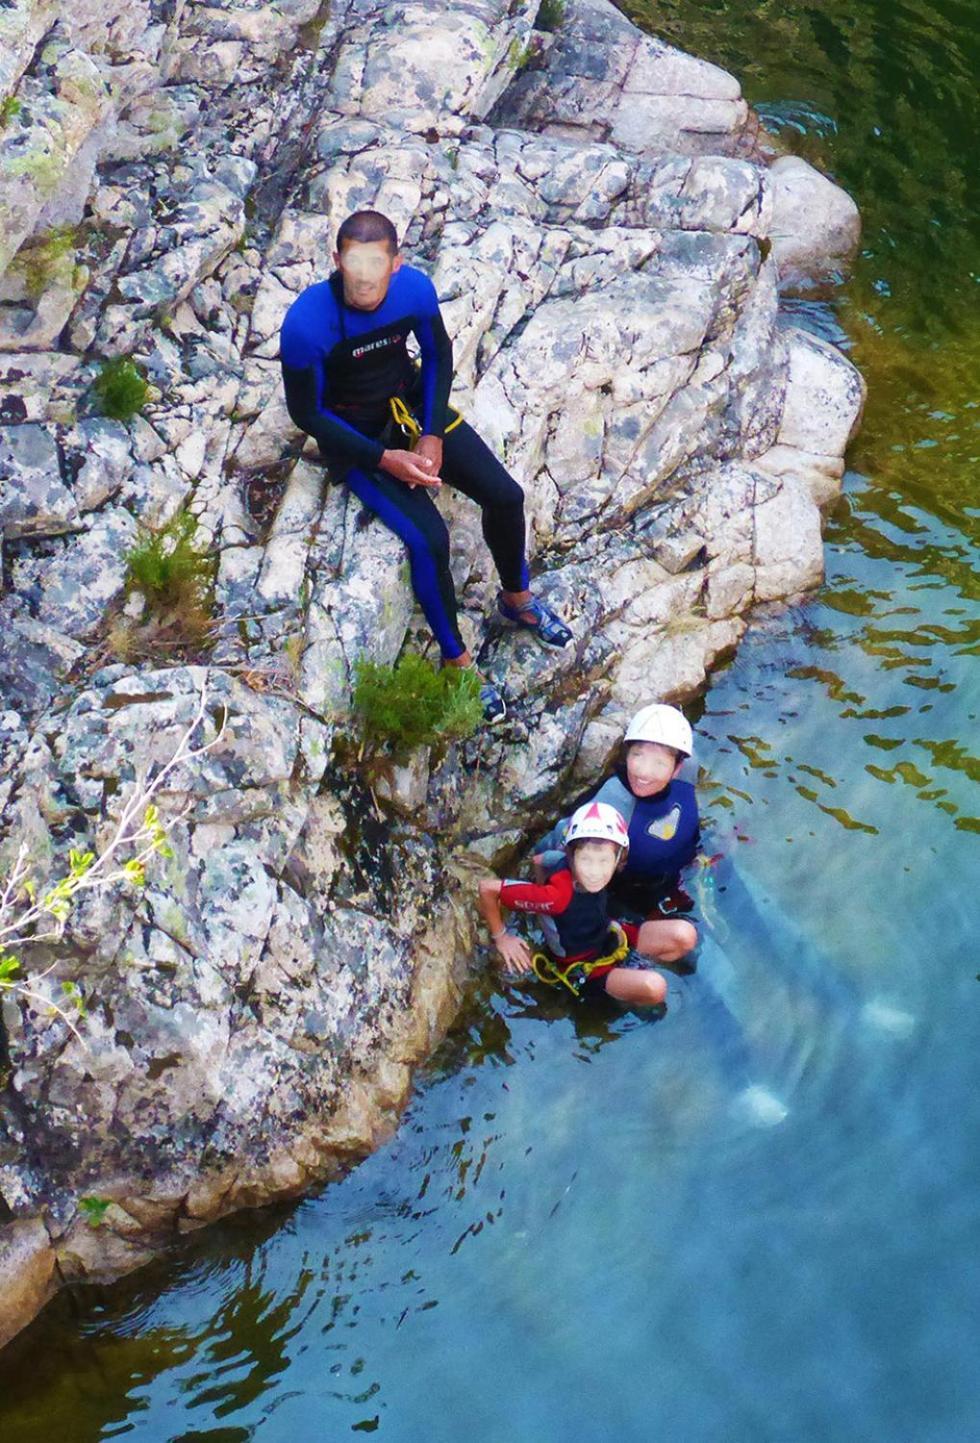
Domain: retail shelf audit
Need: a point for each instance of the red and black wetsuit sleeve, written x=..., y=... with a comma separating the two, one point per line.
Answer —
x=550, y=898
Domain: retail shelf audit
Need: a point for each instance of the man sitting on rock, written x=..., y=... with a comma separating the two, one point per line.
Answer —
x=384, y=427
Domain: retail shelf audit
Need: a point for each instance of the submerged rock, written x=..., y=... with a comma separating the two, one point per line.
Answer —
x=606, y=238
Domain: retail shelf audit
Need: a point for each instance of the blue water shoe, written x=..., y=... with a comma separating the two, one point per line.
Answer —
x=537, y=616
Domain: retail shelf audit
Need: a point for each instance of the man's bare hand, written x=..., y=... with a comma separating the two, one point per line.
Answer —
x=410, y=467
x=430, y=447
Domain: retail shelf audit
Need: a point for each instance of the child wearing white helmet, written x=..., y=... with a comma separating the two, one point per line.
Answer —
x=661, y=813
x=572, y=907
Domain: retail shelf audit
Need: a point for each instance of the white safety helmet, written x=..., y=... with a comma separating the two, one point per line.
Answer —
x=598, y=822
x=662, y=724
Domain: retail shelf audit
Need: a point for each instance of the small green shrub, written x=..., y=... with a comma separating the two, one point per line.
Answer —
x=38, y=262
x=550, y=15
x=120, y=389
x=520, y=56
x=175, y=578
x=8, y=111
x=94, y=1209
x=412, y=704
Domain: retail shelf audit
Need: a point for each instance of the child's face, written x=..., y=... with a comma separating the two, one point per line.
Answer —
x=593, y=864
x=649, y=767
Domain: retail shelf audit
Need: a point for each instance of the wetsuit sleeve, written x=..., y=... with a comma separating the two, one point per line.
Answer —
x=305, y=385
x=615, y=793
x=437, y=360
x=554, y=840
x=551, y=857
x=551, y=897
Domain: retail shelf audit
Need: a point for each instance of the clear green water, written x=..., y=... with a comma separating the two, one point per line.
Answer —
x=582, y=1230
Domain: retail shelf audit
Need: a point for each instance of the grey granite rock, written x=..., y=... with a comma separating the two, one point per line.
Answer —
x=34, y=500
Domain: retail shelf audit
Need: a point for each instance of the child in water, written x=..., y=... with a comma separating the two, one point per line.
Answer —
x=661, y=813
x=572, y=907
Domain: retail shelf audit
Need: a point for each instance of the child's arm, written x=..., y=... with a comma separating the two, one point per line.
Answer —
x=512, y=950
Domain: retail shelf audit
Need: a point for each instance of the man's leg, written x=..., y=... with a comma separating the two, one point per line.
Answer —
x=471, y=467
x=414, y=518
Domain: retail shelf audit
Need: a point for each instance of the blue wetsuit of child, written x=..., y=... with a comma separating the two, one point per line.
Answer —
x=341, y=367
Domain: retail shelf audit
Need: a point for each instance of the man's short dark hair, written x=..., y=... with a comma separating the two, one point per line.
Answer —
x=365, y=226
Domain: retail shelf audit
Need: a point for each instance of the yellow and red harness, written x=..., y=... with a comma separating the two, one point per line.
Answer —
x=555, y=973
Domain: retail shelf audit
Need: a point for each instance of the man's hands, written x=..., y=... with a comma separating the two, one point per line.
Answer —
x=416, y=468
x=429, y=448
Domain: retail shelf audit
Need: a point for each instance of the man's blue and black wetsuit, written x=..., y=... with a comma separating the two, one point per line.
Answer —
x=341, y=367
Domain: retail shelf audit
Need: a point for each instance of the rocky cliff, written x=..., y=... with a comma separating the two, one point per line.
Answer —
x=609, y=238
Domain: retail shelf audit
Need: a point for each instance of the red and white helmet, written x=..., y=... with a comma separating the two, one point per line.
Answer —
x=662, y=724
x=598, y=822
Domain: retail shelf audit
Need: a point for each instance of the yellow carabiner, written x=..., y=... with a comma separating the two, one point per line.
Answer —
x=403, y=417
x=410, y=427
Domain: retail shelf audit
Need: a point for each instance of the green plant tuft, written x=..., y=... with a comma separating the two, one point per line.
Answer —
x=94, y=1209
x=520, y=57
x=9, y=110
x=38, y=261
x=550, y=15
x=412, y=704
x=176, y=579
x=120, y=389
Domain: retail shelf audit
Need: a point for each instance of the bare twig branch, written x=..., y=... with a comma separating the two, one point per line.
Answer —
x=28, y=919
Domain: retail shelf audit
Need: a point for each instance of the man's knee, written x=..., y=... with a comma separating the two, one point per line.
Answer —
x=508, y=495
x=469, y=459
x=685, y=937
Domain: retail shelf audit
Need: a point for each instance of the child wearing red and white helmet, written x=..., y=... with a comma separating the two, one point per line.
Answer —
x=572, y=908
x=661, y=813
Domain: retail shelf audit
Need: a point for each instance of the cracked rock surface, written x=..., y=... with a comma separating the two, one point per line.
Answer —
x=608, y=240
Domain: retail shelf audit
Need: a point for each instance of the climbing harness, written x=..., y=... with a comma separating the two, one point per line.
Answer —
x=406, y=422
x=549, y=969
